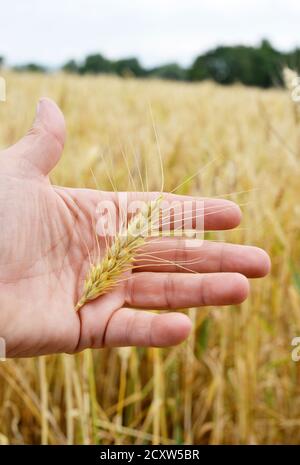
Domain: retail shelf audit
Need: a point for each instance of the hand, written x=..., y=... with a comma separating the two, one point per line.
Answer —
x=45, y=235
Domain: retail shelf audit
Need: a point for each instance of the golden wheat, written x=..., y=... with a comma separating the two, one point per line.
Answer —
x=105, y=275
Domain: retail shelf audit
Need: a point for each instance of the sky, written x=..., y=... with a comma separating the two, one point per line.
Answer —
x=155, y=31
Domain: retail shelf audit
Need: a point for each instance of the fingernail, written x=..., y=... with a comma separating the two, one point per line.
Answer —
x=38, y=107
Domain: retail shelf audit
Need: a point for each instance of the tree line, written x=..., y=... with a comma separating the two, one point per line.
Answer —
x=254, y=66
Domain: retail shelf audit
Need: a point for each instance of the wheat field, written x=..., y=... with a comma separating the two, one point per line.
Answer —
x=233, y=381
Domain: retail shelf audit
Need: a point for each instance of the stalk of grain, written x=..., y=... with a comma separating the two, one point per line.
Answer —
x=105, y=275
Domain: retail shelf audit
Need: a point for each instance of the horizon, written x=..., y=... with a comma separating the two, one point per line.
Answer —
x=9, y=64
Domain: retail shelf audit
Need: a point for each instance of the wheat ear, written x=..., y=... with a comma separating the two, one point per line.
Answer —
x=119, y=257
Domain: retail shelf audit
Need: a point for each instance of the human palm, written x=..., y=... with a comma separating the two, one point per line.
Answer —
x=47, y=234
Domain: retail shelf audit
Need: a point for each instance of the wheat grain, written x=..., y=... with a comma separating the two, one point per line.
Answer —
x=105, y=275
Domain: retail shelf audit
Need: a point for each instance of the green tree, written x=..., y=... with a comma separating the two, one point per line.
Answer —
x=96, y=64
x=31, y=67
x=71, y=67
x=128, y=66
x=292, y=59
x=169, y=71
x=248, y=65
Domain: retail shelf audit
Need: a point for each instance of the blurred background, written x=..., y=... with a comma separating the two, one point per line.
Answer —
x=212, y=72
x=233, y=41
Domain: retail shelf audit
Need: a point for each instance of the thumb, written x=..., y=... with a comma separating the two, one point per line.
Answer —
x=43, y=144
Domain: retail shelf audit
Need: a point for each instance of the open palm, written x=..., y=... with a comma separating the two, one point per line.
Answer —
x=46, y=235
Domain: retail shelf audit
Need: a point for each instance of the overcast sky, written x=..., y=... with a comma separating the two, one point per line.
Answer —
x=156, y=31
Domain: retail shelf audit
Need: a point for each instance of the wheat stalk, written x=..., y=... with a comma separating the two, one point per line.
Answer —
x=105, y=275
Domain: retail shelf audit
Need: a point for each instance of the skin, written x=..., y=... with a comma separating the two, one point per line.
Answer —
x=46, y=232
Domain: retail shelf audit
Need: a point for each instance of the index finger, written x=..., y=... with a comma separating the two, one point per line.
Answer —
x=218, y=214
